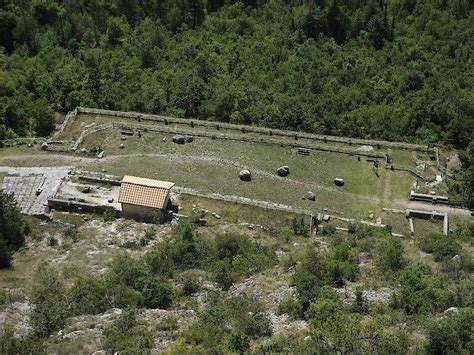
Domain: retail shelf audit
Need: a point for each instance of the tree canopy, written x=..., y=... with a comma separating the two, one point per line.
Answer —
x=395, y=70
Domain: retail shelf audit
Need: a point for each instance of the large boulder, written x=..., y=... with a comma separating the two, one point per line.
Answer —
x=188, y=138
x=179, y=139
x=311, y=196
x=245, y=175
x=283, y=170
x=339, y=181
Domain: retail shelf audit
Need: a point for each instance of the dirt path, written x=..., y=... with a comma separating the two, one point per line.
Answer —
x=417, y=205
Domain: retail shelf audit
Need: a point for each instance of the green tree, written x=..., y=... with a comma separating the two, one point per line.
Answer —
x=157, y=294
x=452, y=334
x=49, y=301
x=13, y=229
x=41, y=116
x=391, y=255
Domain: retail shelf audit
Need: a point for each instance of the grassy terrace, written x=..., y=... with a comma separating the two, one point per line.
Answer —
x=210, y=165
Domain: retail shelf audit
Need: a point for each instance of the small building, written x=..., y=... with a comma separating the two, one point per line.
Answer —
x=144, y=199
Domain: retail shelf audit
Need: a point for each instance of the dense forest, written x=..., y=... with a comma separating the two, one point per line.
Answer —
x=396, y=70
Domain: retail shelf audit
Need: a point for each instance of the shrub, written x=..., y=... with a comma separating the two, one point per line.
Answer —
x=391, y=255
x=26, y=344
x=190, y=286
x=109, y=215
x=441, y=246
x=290, y=305
x=88, y=296
x=237, y=255
x=168, y=323
x=148, y=236
x=299, y=226
x=317, y=269
x=224, y=274
x=129, y=272
x=239, y=343
x=452, y=335
x=13, y=229
x=126, y=335
x=185, y=251
x=72, y=233
x=160, y=260
x=328, y=229
x=420, y=292
x=242, y=314
x=360, y=305
x=352, y=227
x=49, y=302
x=157, y=294
x=52, y=241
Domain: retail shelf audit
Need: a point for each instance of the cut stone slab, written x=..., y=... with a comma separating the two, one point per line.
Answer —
x=365, y=148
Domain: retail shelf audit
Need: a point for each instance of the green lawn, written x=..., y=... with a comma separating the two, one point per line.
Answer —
x=213, y=165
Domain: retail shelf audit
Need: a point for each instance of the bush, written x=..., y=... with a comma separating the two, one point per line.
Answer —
x=243, y=314
x=72, y=233
x=157, y=294
x=317, y=269
x=109, y=215
x=13, y=229
x=52, y=241
x=238, y=342
x=49, y=302
x=88, y=295
x=129, y=272
x=391, y=254
x=148, y=236
x=420, y=292
x=328, y=229
x=126, y=335
x=190, y=286
x=160, y=260
x=452, y=335
x=26, y=344
x=361, y=304
x=442, y=247
x=237, y=255
x=299, y=226
x=224, y=274
x=290, y=305
x=168, y=323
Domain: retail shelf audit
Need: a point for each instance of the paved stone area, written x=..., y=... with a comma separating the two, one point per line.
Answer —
x=31, y=187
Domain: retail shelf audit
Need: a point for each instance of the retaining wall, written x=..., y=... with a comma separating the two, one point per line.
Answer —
x=249, y=139
x=260, y=130
x=76, y=206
